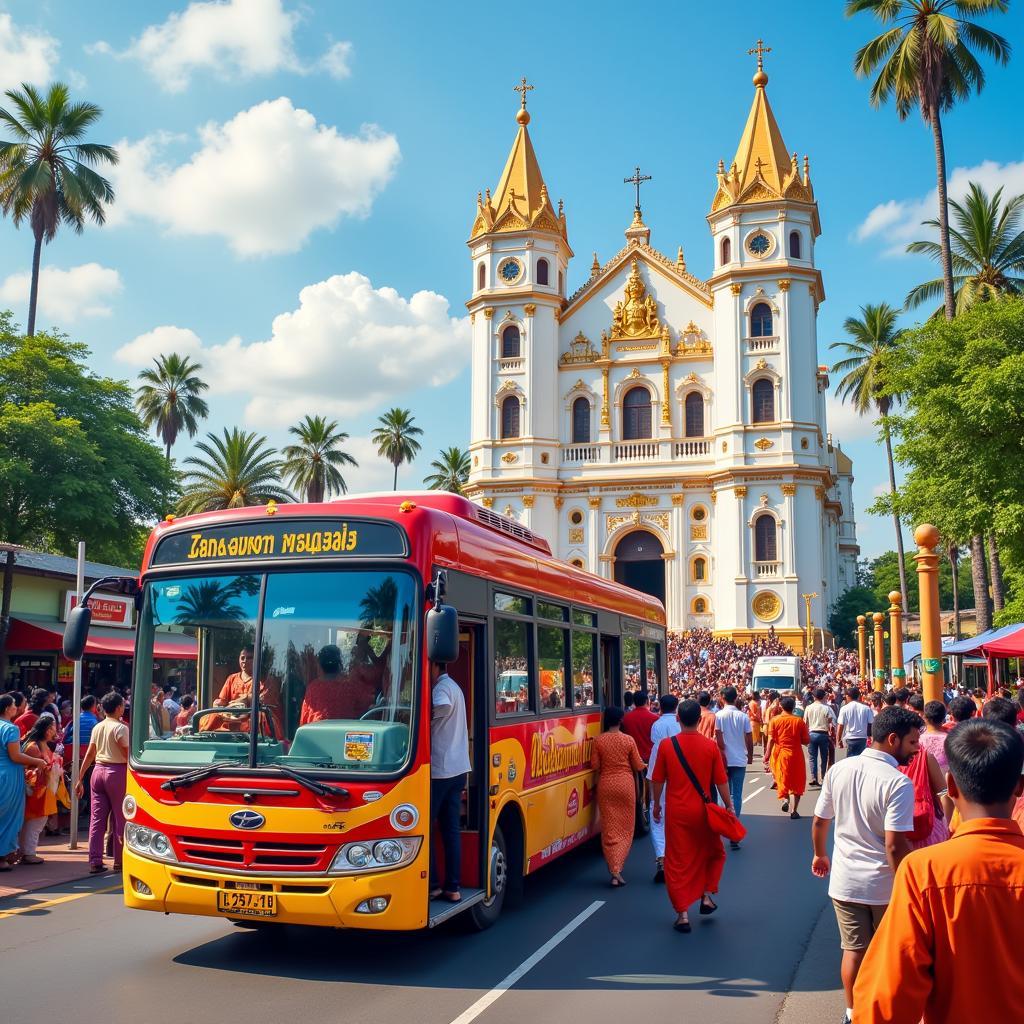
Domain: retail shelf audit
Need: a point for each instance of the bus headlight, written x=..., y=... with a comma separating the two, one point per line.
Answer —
x=148, y=842
x=375, y=855
x=404, y=817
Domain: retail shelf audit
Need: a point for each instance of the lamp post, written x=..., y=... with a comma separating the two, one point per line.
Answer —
x=810, y=628
x=879, y=620
x=926, y=537
x=899, y=673
x=862, y=646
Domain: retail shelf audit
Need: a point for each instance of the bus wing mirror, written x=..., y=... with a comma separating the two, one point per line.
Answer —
x=443, y=634
x=76, y=632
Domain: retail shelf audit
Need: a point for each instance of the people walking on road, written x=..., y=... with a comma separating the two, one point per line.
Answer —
x=964, y=894
x=734, y=734
x=13, y=762
x=855, y=721
x=786, y=744
x=694, y=855
x=820, y=720
x=667, y=725
x=108, y=749
x=706, y=726
x=872, y=804
x=756, y=715
x=933, y=739
x=639, y=723
x=449, y=770
x=41, y=801
x=616, y=761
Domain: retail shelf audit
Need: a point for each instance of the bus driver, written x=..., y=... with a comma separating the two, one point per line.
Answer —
x=237, y=693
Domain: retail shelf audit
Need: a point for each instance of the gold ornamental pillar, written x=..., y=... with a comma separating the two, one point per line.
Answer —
x=879, y=620
x=926, y=537
x=899, y=673
x=862, y=647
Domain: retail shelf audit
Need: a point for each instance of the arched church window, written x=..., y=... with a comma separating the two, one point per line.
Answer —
x=510, y=347
x=766, y=548
x=694, y=408
x=700, y=606
x=726, y=251
x=636, y=414
x=481, y=276
x=581, y=421
x=700, y=569
x=542, y=271
x=794, y=245
x=510, y=417
x=762, y=396
x=761, y=321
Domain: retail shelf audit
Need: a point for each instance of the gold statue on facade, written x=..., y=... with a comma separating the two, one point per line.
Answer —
x=636, y=316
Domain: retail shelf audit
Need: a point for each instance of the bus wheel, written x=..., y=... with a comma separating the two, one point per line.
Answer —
x=643, y=810
x=485, y=913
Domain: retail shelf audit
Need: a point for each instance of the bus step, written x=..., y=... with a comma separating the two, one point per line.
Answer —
x=440, y=910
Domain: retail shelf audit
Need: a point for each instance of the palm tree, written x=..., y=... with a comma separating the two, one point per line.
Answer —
x=168, y=399
x=312, y=466
x=395, y=438
x=873, y=338
x=46, y=170
x=988, y=251
x=451, y=471
x=924, y=59
x=239, y=469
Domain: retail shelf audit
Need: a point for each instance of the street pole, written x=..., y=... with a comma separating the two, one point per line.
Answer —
x=926, y=537
x=879, y=620
x=76, y=713
x=899, y=673
x=862, y=647
x=810, y=627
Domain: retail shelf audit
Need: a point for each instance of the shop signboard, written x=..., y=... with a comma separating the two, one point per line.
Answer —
x=107, y=609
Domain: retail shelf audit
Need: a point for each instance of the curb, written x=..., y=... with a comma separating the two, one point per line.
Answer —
x=816, y=993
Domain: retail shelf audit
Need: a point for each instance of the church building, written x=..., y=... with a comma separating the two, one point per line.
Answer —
x=659, y=429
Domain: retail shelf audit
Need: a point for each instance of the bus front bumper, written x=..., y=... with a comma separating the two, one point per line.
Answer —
x=327, y=901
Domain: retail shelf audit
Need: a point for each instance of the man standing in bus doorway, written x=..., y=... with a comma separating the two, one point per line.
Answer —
x=449, y=767
x=667, y=725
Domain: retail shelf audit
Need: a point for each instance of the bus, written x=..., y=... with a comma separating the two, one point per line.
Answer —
x=778, y=673
x=308, y=801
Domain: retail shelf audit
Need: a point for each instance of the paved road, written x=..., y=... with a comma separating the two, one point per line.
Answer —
x=621, y=961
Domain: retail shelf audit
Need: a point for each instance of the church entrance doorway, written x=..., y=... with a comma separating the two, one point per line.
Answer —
x=638, y=563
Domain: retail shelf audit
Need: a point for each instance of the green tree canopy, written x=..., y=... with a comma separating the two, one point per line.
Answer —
x=396, y=438
x=450, y=470
x=313, y=466
x=168, y=399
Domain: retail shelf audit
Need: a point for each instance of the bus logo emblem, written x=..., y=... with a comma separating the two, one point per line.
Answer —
x=247, y=819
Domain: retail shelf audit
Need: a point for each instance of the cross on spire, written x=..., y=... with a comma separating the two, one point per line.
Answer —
x=637, y=180
x=760, y=50
x=760, y=165
x=523, y=88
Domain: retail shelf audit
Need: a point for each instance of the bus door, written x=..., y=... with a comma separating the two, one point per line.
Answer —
x=611, y=677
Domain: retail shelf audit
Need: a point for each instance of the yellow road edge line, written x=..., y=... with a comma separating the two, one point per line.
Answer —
x=46, y=904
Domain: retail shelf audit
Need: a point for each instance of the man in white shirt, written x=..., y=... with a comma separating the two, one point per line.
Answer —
x=667, y=725
x=449, y=766
x=819, y=718
x=854, y=723
x=736, y=741
x=872, y=804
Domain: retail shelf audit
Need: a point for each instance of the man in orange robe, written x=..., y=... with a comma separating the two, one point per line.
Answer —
x=787, y=739
x=955, y=898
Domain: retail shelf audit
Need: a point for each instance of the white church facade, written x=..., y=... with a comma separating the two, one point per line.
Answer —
x=657, y=428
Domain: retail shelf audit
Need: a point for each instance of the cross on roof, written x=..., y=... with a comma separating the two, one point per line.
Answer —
x=638, y=179
x=760, y=50
x=523, y=88
x=760, y=164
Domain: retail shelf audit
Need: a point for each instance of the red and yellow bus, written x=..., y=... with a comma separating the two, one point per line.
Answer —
x=310, y=804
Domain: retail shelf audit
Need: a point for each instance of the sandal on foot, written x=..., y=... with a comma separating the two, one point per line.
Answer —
x=682, y=926
x=707, y=907
x=785, y=806
x=794, y=815
x=32, y=861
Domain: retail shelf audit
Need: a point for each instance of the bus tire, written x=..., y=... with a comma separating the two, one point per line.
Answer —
x=484, y=914
x=643, y=810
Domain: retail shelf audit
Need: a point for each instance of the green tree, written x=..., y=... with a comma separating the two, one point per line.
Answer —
x=988, y=251
x=451, y=471
x=925, y=58
x=47, y=171
x=75, y=462
x=395, y=438
x=168, y=399
x=873, y=338
x=842, y=623
x=235, y=470
x=312, y=466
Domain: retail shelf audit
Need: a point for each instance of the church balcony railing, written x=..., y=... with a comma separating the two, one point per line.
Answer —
x=691, y=449
x=705, y=620
x=767, y=569
x=762, y=345
x=510, y=366
x=637, y=451
x=582, y=453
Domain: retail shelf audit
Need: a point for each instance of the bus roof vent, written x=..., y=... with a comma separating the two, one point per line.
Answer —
x=502, y=524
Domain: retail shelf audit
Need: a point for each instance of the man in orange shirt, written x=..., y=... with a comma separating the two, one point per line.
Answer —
x=955, y=898
x=707, y=724
x=786, y=741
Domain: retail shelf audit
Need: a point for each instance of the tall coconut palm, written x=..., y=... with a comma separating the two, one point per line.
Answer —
x=168, y=398
x=312, y=467
x=46, y=169
x=238, y=469
x=988, y=251
x=395, y=438
x=924, y=59
x=451, y=471
x=873, y=337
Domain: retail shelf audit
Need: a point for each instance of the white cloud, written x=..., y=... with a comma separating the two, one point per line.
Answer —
x=265, y=180
x=897, y=222
x=844, y=422
x=231, y=38
x=159, y=342
x=347, y=348
x=25, y=56
x=65, y=296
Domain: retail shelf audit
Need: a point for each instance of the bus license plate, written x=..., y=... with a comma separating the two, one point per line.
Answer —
x=247, y=904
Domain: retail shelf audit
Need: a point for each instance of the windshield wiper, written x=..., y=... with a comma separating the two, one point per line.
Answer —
x=199, y=774
x=315, y=785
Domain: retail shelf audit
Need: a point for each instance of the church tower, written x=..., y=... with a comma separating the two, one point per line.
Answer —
x=520, y=253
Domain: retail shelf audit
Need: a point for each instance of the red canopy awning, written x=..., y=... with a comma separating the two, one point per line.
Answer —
x=31, y=635
x=1011, y=646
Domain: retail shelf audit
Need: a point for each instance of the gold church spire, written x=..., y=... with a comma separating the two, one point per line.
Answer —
x=520, y=201
x=762, y=170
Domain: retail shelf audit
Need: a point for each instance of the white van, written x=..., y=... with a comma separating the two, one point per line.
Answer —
x=777, y=674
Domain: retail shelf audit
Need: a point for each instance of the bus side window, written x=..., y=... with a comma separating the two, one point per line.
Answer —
x=512, y=692
x=552, y=645
x=584, y=672
x=652, y=660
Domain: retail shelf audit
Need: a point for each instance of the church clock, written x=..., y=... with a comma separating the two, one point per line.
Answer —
x=510, y=270
x=760, y=244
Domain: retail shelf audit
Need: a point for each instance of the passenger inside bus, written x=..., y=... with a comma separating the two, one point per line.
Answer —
x=237, y=693
x=343, y=695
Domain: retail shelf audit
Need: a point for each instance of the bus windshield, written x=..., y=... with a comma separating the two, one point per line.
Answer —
x=336, y=671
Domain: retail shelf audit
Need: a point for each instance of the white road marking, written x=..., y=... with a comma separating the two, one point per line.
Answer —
x=526, y=966
x=750, y=796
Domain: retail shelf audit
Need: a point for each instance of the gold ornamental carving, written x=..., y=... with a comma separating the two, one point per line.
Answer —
x=699, y=532
x=692, y=342
x=530, y=308
x=472, y=318
x=528, y=501
x=559, y=502
x=509, y=458
x=762, y=444
x=636, y=316
x=488, y=502
x=763, y=501
x=634, y=374
x=761, y=364
x=658, y=519
x=594, y=502
x=612, y=523
x=580, y=351
x=767, y=605
x=819, y=493
x=740, y=492
x=488, y=312
x=575, y=534
x=605, y=418
x=636, y=500
x=735, y=288
x=677, y=500
x=788, y=490
x=714, y=497
x=784, y=284
x=666, y=408
x=509, y=385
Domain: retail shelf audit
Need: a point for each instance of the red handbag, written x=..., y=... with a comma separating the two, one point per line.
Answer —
x=722, y=822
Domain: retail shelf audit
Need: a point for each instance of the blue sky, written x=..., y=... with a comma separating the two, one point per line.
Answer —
x=298, y=181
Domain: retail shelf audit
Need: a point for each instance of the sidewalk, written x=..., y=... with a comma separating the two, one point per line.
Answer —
x=62, y=865
x=816, y=992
